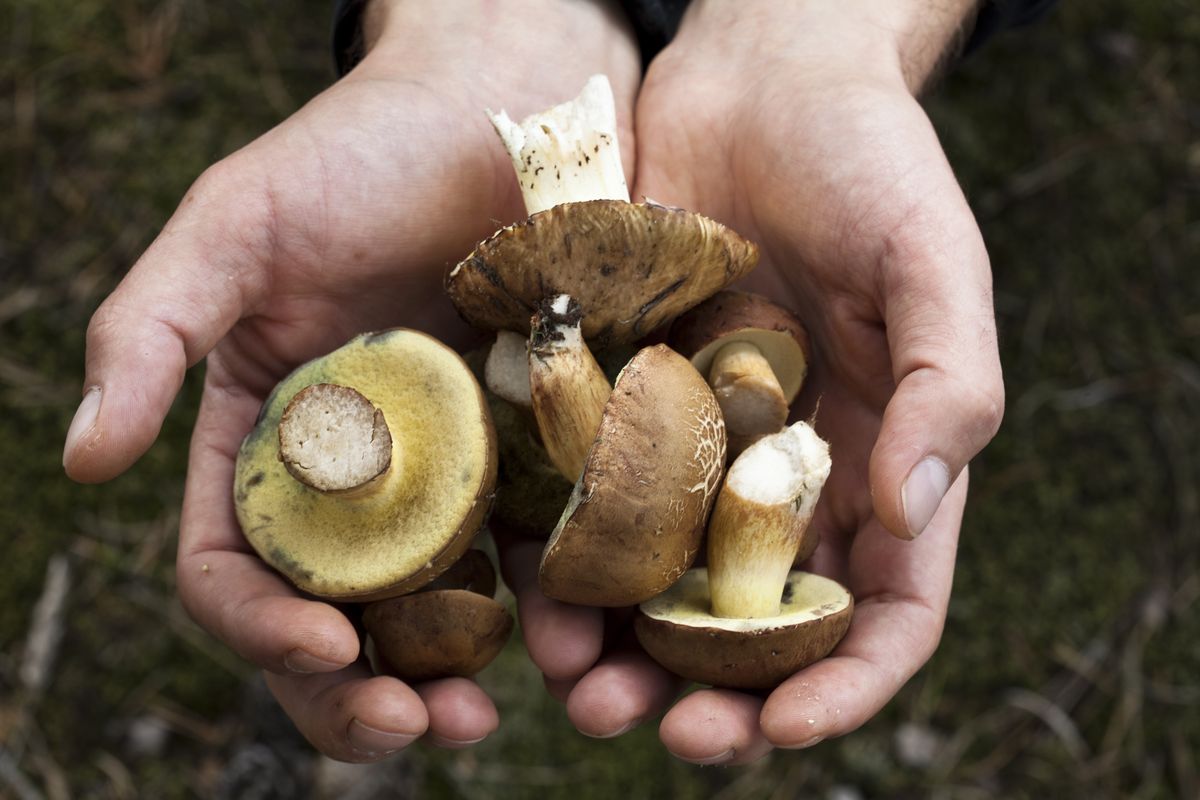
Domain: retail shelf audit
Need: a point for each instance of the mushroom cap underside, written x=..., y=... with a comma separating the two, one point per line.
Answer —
x=632, y=266
x=678, y=631
x=419, y=517
x=731, y=316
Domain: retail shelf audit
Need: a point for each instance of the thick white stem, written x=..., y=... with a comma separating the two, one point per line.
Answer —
x=334, y=440
x=761, y=520
x=568, y=153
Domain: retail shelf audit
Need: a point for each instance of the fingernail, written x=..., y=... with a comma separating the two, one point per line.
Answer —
x=374, y=742
x=84, y=420
x=711, y=761
x=810, y=742
x=453, y=744
x=305, y=663
x=626, y=728
x=927, y=484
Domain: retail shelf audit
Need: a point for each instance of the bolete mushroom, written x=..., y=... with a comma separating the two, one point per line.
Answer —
x=629, y=267
x=450, y=627
x=748, y=621
x=755, y=355
x=635, y=519
x=370, y=470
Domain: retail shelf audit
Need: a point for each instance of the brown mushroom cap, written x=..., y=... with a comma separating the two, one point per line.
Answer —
x=422, y=513
x=730, y=316
x=632, y=267
x=678, y=631
x=636, y=516
x=438, y=634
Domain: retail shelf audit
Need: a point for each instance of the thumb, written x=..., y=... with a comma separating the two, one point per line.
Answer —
x=949, y=396
x=182, y=296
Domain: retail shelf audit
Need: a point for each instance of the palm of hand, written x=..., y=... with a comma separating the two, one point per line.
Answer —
x=833, y=185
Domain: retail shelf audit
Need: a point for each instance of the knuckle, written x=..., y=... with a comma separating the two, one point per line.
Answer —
x=985, y=408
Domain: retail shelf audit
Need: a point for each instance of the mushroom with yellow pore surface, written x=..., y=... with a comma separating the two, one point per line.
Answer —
x=629, y=267
x=748, y=620
x=370, y=470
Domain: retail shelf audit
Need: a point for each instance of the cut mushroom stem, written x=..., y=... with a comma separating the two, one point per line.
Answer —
x=334, y=440
x=751, y=399
x=567, y=387
x=761, y=521
x=568, y=153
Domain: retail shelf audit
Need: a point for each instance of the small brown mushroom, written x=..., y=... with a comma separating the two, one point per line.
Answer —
x=438, y=634
x=635, y=519
x=755, y=355
x=678, y=630
x=748, y=621
x=355, y=531
x=450, y=627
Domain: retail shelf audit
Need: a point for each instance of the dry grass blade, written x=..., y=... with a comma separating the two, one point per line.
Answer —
x=46, y=629
x=15, y=780
x=1055, y=719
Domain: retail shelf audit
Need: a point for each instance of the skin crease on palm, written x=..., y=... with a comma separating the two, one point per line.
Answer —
x=344, y=218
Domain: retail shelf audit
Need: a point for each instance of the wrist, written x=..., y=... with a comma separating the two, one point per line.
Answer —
x=896, y=42
x=500, y=45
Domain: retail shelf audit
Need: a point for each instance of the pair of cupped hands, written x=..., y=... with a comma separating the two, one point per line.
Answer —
x=795, y=124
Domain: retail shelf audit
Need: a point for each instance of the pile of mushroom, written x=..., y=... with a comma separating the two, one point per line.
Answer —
x=647, y=456
x=371, y=470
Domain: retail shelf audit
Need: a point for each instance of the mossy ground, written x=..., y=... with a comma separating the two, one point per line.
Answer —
x=1070, y=660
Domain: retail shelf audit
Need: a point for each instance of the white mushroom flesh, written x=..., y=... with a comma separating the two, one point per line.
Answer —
x=568, y=153
x=761, y=520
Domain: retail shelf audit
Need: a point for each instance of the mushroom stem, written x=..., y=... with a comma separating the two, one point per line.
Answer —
x=761, y=521
x=334, y=440
x=506, y=370
x=567, y=387
x=748, y=392
x=568, y=153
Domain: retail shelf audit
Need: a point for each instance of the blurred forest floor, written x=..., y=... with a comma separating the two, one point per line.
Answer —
x=1070, y=665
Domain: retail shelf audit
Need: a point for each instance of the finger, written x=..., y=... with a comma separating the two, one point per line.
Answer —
x=563, y=640
x=620, y=693
x=177, y=301
x=902, y=591
x=223, y=584
x=349, y=715
x=949, y=395
x=460, y=713
x=715, y=726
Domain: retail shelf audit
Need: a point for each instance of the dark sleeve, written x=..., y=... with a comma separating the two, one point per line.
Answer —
x=347, y=34
x=656, y=22
x=1000, y=15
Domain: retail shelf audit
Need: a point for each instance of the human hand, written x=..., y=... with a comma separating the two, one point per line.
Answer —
x=340, y=220
x=796, y=124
